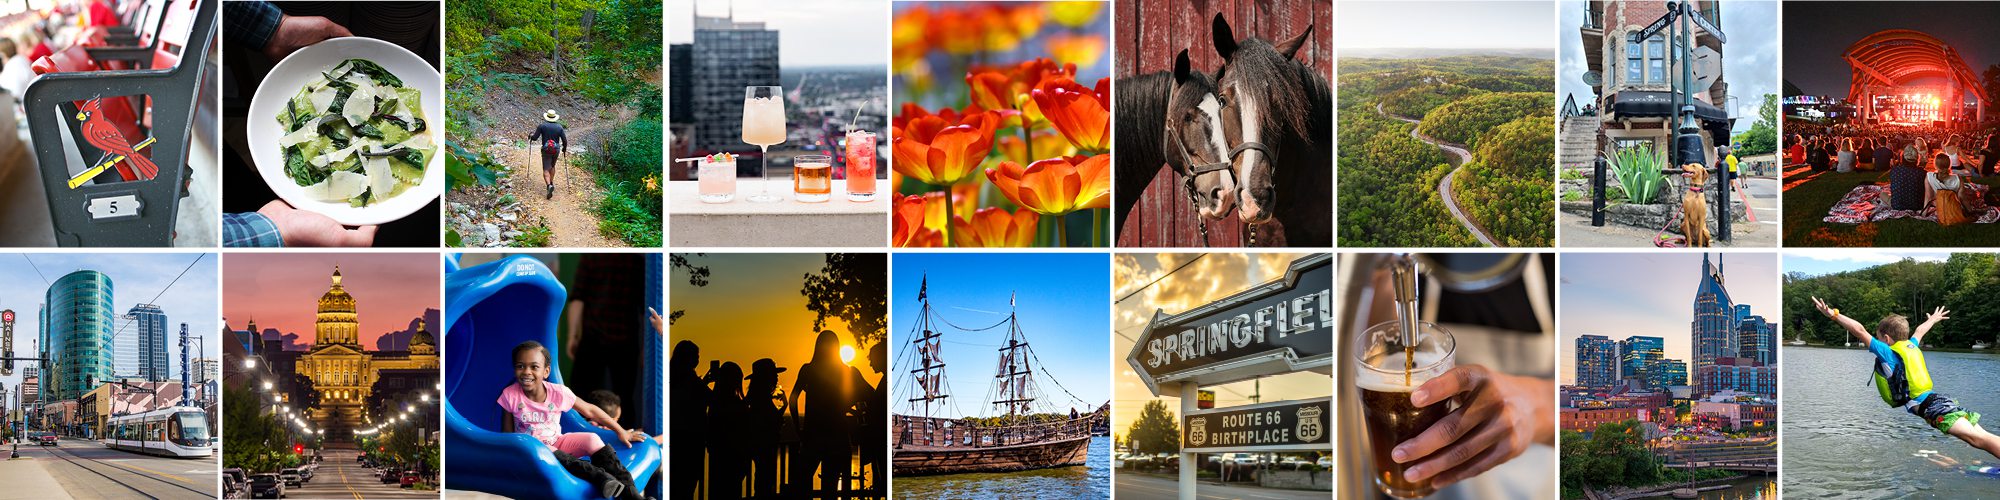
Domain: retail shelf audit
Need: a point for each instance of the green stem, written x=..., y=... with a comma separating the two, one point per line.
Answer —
x=947, y=216
x=1097, y=227
x=1062, y=237
x=1027, y=144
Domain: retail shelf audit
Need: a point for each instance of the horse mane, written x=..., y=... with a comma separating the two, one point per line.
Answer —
x=1141, y=104
x=1302, y=96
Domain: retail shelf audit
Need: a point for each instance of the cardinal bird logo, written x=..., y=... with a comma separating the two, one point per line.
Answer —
x=106, y=138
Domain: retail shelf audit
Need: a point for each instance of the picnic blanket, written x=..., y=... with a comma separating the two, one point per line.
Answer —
x=1870, y=203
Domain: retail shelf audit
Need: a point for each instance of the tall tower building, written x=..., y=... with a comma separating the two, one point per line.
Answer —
x=77, y=321
x=727, y=56
x=1639, y=357
x=1713, y=327
x=1596, y=361
x=147, y=336
x=1757, y=339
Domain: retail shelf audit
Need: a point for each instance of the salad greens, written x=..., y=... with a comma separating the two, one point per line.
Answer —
x=356, y=134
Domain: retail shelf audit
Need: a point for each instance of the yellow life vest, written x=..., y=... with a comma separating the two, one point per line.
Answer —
x=1911, y=378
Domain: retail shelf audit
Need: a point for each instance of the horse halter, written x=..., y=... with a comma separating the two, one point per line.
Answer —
x=1195, y=170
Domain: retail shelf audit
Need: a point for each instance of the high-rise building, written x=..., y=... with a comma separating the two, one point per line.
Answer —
x=142, y=344
x=726, y=56
x=1741, y=375
x=77, y=319
x=1757, y=339
x=1638, y=357
x=1714, y=333
x=1596, y=361
x=31, y=385
x=1669, y=373
x=680, y=105
x=206, y=369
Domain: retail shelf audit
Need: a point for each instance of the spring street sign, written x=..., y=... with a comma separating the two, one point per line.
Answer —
x=1298, y=425
x=1282, y=326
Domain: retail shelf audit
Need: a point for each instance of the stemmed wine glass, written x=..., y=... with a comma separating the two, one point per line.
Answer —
x=764, y=125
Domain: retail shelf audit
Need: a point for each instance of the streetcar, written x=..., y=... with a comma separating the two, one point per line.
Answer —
x=180, y=431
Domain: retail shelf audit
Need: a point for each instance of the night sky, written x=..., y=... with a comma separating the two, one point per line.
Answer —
x=1816, y=33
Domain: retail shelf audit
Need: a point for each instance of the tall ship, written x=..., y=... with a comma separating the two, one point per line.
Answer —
x=1023, y=432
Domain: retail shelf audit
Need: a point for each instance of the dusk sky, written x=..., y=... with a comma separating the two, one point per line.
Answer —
x=1444, y=25
x=135, y=278
x=282, y=290
x=1061, y=308
x=1749, y=59
x=752, y=309
x=1652, y=294
x=1817, y=33
x=817, y=33
x=1213, y=277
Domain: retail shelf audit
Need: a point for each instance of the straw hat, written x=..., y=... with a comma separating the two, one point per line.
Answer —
x=550, y=115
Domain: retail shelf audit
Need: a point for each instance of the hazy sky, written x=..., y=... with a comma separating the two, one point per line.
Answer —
x=1749, y=59
x=135, y=278
x=1213, y=277
x=1444, y=25
x=1061, y=308
x=1815, y=262
x=816, y=33
x=282, y=290
x=752, y=309
x=1652, y=294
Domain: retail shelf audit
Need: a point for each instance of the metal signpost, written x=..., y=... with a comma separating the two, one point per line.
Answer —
x=1281, y=326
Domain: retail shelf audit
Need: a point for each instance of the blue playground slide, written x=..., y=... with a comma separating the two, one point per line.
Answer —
x=489, y=308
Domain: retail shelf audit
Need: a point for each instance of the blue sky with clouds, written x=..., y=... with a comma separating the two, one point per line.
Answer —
x=135, y=278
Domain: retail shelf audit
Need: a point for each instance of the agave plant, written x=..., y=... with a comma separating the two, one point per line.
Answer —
x=1638, y=171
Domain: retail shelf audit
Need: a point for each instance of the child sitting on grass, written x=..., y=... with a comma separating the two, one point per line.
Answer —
x=1903, y=380
x=536, y=406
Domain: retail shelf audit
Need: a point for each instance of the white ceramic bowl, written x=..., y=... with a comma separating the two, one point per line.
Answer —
x=303, y=67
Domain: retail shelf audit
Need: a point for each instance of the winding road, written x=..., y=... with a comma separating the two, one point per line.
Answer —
x=1459, y=156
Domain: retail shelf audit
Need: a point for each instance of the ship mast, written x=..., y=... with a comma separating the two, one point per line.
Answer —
x=930, y=371
x=1013, y=375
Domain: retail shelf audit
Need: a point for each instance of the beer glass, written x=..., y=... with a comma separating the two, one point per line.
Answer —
x=1387, y=370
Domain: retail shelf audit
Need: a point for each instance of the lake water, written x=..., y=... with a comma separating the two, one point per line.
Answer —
x=1840, y=441
x=1092, y=480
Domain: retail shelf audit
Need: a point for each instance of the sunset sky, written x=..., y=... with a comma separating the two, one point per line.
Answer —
x=1622, y=295
x=752, y=309
x=282, y=290
x=1212, y=277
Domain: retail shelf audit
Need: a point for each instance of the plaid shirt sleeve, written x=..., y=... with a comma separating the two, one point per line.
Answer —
x=250, y=229
x=250, y=23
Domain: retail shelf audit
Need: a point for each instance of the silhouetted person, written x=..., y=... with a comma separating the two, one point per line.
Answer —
x=763, y=419
x=874, y=419
x=726, y=432
x=831, y=388
x=690, y=419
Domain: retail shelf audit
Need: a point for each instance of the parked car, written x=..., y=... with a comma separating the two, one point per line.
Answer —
x=233, y=482
x=292, y=477
x=1325, y=462
x=411, y=478
x=390, y=475
x=1293, y=463
x=48, y=440
x=306, y=472
x=267, y=486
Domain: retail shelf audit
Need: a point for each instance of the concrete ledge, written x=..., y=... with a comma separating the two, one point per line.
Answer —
x=741, y=223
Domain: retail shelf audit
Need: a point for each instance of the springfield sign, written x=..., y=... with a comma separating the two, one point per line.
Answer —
x=1281, y=326
x=1299, y=425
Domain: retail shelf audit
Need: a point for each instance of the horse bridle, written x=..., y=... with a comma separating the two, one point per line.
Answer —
x=1195, y=170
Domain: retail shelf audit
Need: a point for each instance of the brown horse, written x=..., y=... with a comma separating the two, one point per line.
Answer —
x=1172, y=118
x=1277, y=114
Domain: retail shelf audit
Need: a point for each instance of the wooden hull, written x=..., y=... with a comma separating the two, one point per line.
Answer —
x=933, y=460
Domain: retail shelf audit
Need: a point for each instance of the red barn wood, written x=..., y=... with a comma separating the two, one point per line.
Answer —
x=1148, y=33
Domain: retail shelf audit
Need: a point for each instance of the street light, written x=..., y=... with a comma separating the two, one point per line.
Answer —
x=267, y=385
x=249, y=363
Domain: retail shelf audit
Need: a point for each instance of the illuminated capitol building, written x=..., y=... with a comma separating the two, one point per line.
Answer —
x=342, y=372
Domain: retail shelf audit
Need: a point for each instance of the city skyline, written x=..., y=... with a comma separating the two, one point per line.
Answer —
x=281, y=291
x=137, y=278
x=822, y=33
x=1598, y=297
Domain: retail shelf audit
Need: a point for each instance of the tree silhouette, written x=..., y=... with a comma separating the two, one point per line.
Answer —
x=1156, y=430
x=696, y=275
x=304, y=396
x=854, y=288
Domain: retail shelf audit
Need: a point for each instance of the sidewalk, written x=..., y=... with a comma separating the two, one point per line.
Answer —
x=27, y=480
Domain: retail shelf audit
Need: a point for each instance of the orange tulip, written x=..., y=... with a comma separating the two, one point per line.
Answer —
x=1080, y=50
x=1047, y=143
x=1056, y=186
x=1005, y=89
x=994, y=227
x=941, y=149
x=1082, y=114
x=913, y=227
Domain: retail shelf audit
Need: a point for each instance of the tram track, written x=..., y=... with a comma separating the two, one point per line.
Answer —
x=78, y=461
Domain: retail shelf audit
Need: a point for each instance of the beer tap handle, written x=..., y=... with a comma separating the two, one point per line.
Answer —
x=1406, y=271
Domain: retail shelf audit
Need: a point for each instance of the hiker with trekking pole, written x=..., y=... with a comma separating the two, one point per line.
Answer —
x=550, y=135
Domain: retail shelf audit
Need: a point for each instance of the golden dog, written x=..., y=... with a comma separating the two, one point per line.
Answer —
x=1694, y=207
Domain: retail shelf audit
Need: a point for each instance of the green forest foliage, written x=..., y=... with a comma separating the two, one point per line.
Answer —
x=1963, y=283
x=1464, y=121
x=1501, y=107
x=501, y=49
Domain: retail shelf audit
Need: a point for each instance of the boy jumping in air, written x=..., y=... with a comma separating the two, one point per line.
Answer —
x=1903, y=380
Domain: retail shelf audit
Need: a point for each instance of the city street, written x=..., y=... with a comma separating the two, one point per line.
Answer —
x=86, y=469
x=1152, y=487
x=341, y=477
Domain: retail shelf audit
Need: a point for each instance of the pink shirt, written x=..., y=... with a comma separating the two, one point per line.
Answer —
x=543, y=420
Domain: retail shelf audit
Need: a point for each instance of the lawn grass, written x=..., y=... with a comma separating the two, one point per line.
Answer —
x=1807, y=203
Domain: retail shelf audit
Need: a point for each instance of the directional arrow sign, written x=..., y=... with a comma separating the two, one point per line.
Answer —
x=1654, y=29
x=1281, y=326
x=1703, y=22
